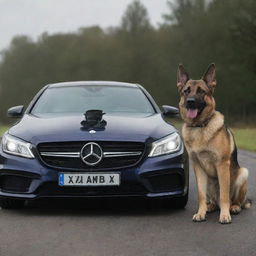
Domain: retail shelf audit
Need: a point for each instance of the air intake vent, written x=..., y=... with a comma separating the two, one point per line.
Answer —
x=14, y=183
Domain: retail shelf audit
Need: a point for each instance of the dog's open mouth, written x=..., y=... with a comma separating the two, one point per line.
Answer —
x=192, y=113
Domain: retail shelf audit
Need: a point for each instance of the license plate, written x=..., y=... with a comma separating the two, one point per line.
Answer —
x=89, y=179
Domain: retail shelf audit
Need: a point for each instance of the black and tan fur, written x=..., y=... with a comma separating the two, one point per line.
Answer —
x=221, y=182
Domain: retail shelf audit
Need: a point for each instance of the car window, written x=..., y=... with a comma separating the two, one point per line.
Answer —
x=78, y=99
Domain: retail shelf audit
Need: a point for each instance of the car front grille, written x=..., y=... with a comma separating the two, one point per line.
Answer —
x=67, y=155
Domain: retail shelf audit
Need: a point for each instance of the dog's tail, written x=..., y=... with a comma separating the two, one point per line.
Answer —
x=247, y=204
x=242, y=180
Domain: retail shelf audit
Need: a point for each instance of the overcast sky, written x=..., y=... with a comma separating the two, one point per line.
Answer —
x=33, y=17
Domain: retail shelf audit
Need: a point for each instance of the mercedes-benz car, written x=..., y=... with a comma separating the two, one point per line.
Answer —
x=92, y=139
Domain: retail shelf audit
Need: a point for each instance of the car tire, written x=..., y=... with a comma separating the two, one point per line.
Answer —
x=6, y=203
x=176, y=203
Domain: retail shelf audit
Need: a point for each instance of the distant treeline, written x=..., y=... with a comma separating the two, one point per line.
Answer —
x=192, y=32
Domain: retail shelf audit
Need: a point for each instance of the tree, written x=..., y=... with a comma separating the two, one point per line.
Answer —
x=135, y=18
x=244, y=31
x=182, y=11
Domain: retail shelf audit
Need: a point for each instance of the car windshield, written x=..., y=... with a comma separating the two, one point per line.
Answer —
x=79, y=99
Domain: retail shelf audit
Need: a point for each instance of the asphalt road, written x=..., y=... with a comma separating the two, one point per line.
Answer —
x=122, y=227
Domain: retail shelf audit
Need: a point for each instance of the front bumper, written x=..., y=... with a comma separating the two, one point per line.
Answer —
x=156, y=177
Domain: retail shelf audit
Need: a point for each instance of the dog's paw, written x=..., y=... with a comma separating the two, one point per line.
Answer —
x=235, y=209
x=225, y=219
x=198, y=217
x=211, y=207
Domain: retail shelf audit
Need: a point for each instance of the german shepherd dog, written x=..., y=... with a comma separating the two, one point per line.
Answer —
x=221, y=182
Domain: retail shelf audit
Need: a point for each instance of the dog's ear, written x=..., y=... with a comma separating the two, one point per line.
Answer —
x=210, y=76
x=182, y=77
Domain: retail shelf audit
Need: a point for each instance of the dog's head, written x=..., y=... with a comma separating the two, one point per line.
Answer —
x=196, y=96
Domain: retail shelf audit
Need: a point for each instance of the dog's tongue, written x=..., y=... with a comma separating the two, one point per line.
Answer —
x=192, y=113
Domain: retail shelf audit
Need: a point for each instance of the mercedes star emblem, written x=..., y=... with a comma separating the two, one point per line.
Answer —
x=91, y=153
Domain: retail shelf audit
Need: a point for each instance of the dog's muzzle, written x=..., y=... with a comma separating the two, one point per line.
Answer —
x=193, y=103
x=194, y=107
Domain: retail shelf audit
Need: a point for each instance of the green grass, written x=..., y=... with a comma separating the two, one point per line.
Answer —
x=245, y=138
x=3, y=129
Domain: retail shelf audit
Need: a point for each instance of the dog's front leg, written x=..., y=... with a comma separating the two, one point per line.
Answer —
x=201, y=180
x=224, y=183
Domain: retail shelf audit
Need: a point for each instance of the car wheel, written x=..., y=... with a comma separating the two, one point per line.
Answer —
x=178, y=202
x=7, y=203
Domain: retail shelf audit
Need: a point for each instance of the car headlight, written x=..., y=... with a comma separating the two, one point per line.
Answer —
x=15, y=146
x=166, y=145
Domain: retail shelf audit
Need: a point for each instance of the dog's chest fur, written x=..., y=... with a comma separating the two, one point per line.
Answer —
x=199, y=143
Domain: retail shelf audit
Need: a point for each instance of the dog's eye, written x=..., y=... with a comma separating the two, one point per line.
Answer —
x=199, y=90
x=187, y=91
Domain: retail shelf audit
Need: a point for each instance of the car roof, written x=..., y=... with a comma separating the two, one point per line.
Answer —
x=87, y=83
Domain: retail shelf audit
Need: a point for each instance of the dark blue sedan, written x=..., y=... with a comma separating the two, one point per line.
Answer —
x=92, y=139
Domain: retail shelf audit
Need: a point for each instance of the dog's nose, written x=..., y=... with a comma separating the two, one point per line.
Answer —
x=191, y=102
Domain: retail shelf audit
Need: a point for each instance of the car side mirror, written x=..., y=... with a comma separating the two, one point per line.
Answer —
x=170, y=111
x=15, y=112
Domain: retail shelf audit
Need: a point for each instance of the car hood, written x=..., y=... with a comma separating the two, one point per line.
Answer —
x=143, y=128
